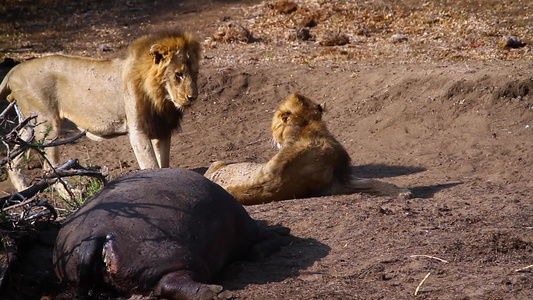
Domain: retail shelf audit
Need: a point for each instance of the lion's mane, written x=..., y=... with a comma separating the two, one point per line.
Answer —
x=148, y=81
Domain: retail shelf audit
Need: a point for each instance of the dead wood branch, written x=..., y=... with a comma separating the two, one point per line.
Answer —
x=65, y=141
x=21, y=139
x=14, y=138
x=70, y=168
x=8, y=108
x=32, y=202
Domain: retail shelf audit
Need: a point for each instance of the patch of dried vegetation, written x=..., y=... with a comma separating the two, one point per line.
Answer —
x=318, y=30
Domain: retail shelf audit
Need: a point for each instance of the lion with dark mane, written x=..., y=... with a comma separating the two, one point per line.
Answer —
x=310, y=162
x=142, y=95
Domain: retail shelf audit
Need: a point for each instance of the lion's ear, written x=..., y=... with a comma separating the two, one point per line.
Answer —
x=159, y=52
x=322, y=107
x=285, y=116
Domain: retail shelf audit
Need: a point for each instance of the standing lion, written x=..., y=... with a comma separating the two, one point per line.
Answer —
x=310, y=162
x=142, y=95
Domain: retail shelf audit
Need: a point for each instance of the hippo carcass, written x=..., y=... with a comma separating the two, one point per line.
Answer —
x=161, y=233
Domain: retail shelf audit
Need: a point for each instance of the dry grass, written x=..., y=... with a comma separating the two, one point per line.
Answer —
x=417, y=32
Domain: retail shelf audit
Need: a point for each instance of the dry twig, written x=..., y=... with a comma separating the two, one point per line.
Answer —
x=429, y=256
x=70, y=168
x=524, y=268
x=421, y=283
x=6, y=110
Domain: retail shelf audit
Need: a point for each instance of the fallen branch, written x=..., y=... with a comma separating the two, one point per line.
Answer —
x=43, y=203
x=73, y=168
x=24, y=145
x=33, y=202
x=13, y=134
x=21, y=139
x=8, y=108
x=11, y=156
x=66, y=141
x=69, y=169
x=17, y=205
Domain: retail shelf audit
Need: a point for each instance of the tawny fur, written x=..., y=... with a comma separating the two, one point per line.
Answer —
x=142, y=95
x=178, y=53
x=310, y=162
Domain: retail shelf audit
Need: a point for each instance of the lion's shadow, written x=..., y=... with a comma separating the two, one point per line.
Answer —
x=384, y=171
x=430, y=190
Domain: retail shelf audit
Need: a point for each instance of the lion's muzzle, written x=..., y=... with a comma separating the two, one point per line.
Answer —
x=191, y=93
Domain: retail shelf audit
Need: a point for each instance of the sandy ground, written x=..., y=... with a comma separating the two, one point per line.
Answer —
x=452, y=121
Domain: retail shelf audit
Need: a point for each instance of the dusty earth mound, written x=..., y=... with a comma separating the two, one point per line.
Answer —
x=421, y=95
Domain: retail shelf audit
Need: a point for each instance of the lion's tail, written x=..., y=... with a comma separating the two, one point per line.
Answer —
x=374, y=187
x=4, y=88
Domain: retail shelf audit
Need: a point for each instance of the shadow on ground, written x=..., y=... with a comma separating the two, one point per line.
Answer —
x=298, y=255
x=430, y=190
x=383, y=171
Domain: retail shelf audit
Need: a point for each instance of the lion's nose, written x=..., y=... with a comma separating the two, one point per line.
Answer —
x=191, y=98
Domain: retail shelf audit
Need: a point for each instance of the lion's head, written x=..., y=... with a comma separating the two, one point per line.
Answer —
x=166, y=67
x=297, y=117
x=164, y=73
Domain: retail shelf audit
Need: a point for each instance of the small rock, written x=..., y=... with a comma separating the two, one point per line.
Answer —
x=507, y=42
x=104, y=48
x=309, y=22
x=334, y=39
x=284, y=6
x=398, y=38
x=233, y=32
x=303, y=34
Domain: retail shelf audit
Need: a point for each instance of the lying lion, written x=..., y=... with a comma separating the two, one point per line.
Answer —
x=142, y=94
x=310, y=162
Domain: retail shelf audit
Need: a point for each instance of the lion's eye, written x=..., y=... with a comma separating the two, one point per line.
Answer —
x=179, y=76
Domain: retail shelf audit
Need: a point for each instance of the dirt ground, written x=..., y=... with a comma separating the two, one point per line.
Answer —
x=423, y=95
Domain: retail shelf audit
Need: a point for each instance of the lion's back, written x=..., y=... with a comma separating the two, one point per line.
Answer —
x=310, y=162
x=70, y=85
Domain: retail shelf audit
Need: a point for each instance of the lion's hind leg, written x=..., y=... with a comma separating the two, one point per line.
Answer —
x=375, y=187
x=16, y=176
x=45, y=133
x=215, y=166
x=44, y=130
x=250, y=183
x=16, y=166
